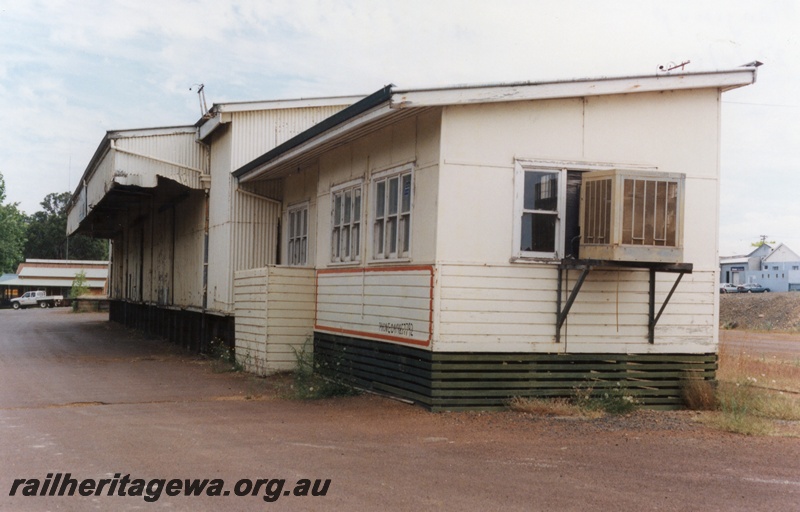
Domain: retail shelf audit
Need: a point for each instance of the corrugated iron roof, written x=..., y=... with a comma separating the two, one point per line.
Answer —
x=91, y=283
x=65, y=273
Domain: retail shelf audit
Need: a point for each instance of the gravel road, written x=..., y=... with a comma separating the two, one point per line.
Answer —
x=83, y=396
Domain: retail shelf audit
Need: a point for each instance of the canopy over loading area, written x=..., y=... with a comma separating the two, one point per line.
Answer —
x=131, y=166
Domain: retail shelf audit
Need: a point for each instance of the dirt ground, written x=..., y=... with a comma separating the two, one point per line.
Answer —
x=84, y=396
x=777, y=312
x=780, y=345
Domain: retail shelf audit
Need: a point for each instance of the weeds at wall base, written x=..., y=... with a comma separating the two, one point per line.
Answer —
x=586, y=402
x=744, y=404
x=223, y=358
x=314, y=379
x=615, y=400
x=699, y=394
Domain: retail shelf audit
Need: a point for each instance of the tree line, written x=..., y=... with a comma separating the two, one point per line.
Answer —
x=42, y=235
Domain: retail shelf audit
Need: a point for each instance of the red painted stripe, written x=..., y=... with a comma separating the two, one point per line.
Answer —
x=385, y=337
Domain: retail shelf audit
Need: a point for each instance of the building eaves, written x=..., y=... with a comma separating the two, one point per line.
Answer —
x=65, y=283
x=251, y=106
x=68, y=263
x=112, y=135
x=383, y=106
x=215, y=117
x=733, y=260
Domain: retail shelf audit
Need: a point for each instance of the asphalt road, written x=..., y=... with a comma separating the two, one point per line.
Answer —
x=83, y=396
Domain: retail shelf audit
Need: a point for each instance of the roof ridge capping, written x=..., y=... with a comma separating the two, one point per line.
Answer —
x=389, y=99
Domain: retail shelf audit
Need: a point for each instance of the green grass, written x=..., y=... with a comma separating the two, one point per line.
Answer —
x=753, y=396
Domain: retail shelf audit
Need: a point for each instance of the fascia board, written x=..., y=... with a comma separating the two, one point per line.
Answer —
x=724, y=80
x=205, y=129
x=150, y=132
x=251, y=106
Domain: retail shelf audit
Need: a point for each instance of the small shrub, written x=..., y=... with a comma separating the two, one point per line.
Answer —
x=223, y=357
x=314, y=380
x=615, y=400
x=699, y=395
x=79, y=288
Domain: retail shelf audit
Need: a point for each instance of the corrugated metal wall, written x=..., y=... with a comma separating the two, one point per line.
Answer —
x=181, y=148
x=100, y=181
x=244, y=228
x=259, y=131
x=162, y=151
x=255, y=232
x=188, y=264
x=158, y=257
x=78, y=212
x=116, y=286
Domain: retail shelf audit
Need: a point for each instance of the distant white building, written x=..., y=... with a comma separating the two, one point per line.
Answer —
x=732, y=268
x=777, y=269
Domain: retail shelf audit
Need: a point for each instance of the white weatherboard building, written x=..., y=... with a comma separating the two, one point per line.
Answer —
x=454, y=246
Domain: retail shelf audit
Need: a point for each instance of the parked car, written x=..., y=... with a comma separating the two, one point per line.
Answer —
x=728, y=288
x=752, y=288
x=37, y=299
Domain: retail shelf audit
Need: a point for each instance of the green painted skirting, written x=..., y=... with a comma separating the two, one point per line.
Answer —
x=455, y=381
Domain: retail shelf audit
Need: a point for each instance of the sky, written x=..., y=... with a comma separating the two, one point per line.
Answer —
x=72, y=70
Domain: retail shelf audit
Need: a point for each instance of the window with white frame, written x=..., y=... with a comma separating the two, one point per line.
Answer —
x=391, y=223
x=346, y=222
x=297, y=235
x=539, y=211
